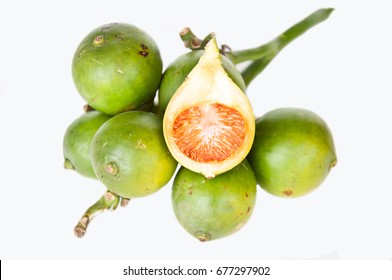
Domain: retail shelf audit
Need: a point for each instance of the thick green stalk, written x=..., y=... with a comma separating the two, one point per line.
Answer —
x=277, y=44
x=263, y=55
x=255, y=68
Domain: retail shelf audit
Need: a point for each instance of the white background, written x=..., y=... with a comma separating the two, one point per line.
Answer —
x=341, y=69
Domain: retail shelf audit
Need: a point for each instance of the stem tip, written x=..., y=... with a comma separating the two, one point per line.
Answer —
x=68, y=164
x=125, y=202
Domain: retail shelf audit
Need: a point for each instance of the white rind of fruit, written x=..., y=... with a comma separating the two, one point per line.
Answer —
x=208, y=84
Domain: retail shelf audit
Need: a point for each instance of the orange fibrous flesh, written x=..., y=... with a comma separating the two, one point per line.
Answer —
x=209, y=133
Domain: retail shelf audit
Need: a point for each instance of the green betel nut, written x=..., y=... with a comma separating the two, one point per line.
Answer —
x=214, y=208
x=292, y=153
x=129, y=155
x=117, y=67
x=77, y=142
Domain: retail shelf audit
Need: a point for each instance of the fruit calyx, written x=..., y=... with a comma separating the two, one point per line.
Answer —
x=209, y=123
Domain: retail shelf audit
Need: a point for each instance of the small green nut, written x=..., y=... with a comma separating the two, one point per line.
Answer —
x=210, y=209
x=292, y=153
x=117, y=67
x=77, y=142
x=130, y=156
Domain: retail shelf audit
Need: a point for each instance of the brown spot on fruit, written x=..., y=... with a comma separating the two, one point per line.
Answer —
x=144, y=47
x=246, y=195
x=333, y=163
x=247, y=211
x=98, y=41
x=288, y=192
x=209, y=133
x=143, y=53
x=119, y=37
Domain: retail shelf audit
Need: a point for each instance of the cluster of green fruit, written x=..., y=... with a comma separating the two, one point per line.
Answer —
x=132, y=141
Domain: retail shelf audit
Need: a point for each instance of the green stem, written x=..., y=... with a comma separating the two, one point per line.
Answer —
x=254, y=69
x=264, y=54
x=108, y=202
x=277, y=44
x=192, y=42
x=87, y=108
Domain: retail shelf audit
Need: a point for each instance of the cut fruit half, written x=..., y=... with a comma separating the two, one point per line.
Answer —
x=209, y=123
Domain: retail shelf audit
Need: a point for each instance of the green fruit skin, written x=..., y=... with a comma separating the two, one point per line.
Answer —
x=292, y=153
x=130, y=156
x=179, y=69
x=120, y=72
x=214, y=208
x=77, y=142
